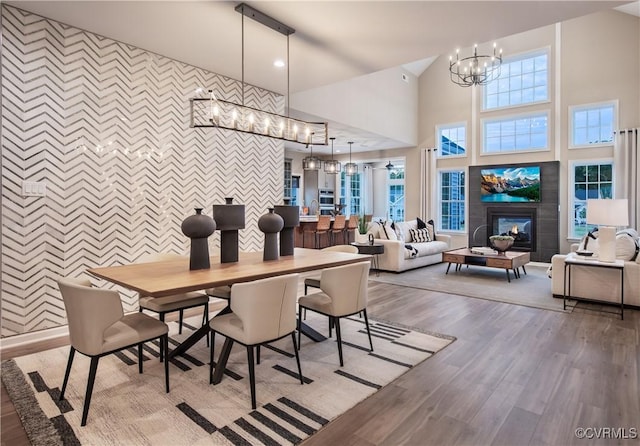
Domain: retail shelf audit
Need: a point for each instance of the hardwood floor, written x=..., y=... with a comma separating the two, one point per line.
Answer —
x=515, y=376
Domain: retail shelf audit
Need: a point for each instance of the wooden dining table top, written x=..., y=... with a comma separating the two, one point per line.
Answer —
x=166, y=278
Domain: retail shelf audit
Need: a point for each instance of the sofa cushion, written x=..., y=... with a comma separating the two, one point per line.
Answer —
x=402, y=229
x=429, y=248
x=420, y=235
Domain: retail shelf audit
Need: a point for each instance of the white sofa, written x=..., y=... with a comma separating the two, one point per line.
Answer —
x=397, y=257
x=598, y=283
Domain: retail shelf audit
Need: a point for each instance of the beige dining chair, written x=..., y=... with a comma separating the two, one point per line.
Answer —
x=263, y=311
x=99, y=327
x=344, y=293
x=175, y=302
x=314, y=282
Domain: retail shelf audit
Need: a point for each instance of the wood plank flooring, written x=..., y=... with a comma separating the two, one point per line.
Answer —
x=515, y=376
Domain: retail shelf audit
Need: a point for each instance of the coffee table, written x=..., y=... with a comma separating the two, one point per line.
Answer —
x=510, y=260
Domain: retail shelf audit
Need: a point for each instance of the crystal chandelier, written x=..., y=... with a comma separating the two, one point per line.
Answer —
x=350, y=168
x=478, y=69
x=212, y=111
x=332, y=166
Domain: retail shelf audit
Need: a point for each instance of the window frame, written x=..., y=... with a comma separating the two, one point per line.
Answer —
x=594, y=105
x=439, y=201
x=439, y=128
x=518, y=57
x=396, y=182
x=514, y=117
x=571, y=235
x=347, y=189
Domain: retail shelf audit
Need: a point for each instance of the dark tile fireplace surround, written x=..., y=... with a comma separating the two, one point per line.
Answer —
x=533, y=225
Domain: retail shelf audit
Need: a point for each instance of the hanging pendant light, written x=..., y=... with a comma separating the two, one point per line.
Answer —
x=311, y=162
x=350, y=168
x=332, y=166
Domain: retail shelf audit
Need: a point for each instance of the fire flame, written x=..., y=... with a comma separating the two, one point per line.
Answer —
x=514, y=229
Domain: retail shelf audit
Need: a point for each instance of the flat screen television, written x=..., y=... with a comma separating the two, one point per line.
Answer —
x=510, y=184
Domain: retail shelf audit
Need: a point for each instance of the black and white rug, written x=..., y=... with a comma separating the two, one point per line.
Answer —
x=133, y=409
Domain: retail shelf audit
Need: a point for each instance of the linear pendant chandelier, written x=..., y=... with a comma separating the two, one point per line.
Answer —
x=212, y=111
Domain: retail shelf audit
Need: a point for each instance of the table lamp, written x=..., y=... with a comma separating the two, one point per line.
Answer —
x=607, y=214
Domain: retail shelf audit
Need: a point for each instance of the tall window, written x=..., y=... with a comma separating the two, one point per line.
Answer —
x=288, y=191
x=523, y=80
x=350, y=193
x=451, y=198
x=592, y=125
x=516, y=133
x=396, y=193
x=589, y=180
x=452, y=140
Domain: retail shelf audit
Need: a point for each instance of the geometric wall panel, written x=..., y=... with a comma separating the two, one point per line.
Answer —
x=106, y=126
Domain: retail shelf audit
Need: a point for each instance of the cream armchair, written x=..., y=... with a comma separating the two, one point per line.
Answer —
x=99, y=327
x=263, y=311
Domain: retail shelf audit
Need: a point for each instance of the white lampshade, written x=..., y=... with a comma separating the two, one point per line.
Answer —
x=608, y=212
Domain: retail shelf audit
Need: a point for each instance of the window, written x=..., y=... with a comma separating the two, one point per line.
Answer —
x=592, y=125
x=451, y=190
x=593, y=179
x=396, y=193
x=523, y=80
x=452, y=140
x=350, y=193
x=515, y=133
x=287, y=192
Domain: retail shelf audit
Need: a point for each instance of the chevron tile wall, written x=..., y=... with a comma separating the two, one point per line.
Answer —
x=106, y=127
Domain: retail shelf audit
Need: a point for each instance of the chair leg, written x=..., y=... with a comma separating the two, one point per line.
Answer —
x=180, y=321
x=300, y=329
x=161, y=317
x=72, y=352
x=330, y=325
x=87, y=397
x=257, y=354
x=140, y=358
x=366, y=321
x=205, y=319
x=339, y=337
x=252, y=375
x=295, y=349
x=213, y=338
x=165, y=341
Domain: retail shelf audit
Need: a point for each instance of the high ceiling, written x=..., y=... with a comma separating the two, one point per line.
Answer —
x=334, y=40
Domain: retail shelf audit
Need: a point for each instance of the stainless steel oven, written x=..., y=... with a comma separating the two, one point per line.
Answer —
x=326, y=200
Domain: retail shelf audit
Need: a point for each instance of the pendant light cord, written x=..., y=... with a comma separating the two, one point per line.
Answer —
x=242, y=53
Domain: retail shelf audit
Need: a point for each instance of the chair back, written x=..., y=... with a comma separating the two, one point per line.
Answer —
x=347, y=286
x=266, y=307
x=324, y=223
x=90, y=311
x=342, y=248
x=353, y=222
x=339, y=222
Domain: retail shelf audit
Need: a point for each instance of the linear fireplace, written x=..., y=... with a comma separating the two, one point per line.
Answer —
x=518, y=222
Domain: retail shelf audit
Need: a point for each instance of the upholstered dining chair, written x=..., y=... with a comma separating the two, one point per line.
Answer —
x=98, y=327
x=176, y=302
x=344, y=293
x=322, y=228
x=314, y=282
x=338, y=228
x=263, y=311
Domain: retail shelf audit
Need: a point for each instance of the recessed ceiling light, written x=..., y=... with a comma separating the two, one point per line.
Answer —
x=278, y=63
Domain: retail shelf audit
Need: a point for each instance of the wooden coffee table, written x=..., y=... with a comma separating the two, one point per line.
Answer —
x=510, y=260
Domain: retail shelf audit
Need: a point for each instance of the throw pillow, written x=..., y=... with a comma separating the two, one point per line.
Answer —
x=386, y=232
x=626, y=245
x=431, y=226
x=420, y=235
x=421, y=224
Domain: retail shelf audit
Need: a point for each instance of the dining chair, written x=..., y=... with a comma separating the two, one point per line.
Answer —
x=344, y=293
x=99, y=327
x=263, y=311
x=175, y=302
x=314, y=282
x=338, y=228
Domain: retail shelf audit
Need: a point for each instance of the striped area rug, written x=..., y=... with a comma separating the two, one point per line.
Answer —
x=133, y=409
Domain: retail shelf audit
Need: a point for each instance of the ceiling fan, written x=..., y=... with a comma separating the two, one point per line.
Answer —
x=389, y=166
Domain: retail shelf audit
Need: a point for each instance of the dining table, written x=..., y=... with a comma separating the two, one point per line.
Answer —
x=166, y=278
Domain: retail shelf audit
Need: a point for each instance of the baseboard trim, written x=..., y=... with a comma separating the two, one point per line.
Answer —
x=25, y=339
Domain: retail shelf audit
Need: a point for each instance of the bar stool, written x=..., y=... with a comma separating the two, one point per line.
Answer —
x=339, y=227
x=323, y=227
x=352, y=226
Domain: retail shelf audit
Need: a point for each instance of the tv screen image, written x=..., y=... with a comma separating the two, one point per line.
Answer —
x=510, y=184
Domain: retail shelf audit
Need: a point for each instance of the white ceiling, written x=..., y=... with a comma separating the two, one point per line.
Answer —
x=334, y=40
